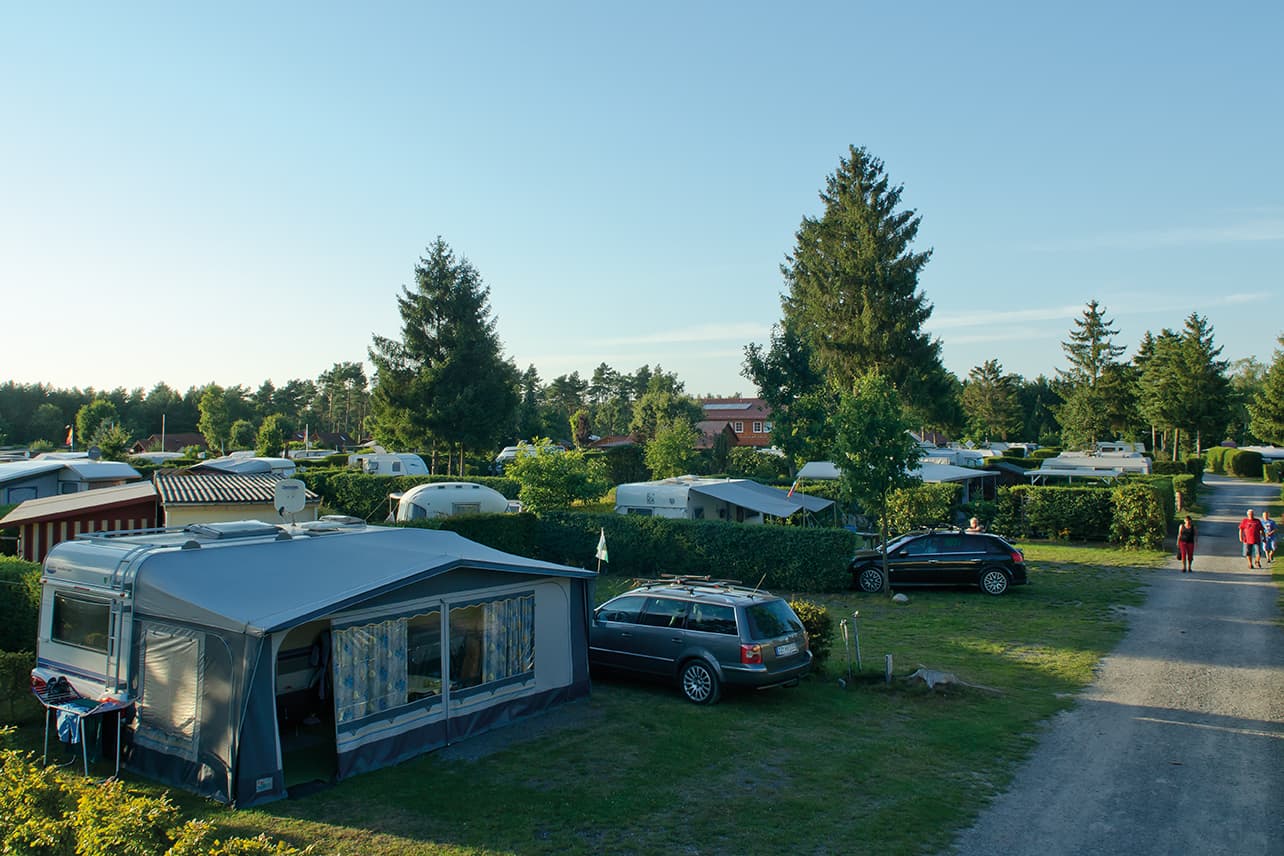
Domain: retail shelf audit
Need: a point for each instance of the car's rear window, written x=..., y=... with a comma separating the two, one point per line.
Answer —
x=770, y=619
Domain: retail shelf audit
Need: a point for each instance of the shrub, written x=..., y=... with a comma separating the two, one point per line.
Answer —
x=984, y=510
x=1025, y=463
x=19, y=603
x=1273, y=472
x=110, y=821
x=922, y=505
x=37, y=806
x=16, y=699
x=1168, y=468
x=1244, y=462
x=624, y=464
x=1046, y=452
x=779, y=558
x=819, y=626
x=1167, y=496
x=1186, y=486
x=1138, y=516
x=1074, y=513
x=512, y=533
x=1215, y=459
x=1195, y=466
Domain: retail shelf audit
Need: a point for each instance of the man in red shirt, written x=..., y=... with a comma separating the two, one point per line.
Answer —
x=1251, y=536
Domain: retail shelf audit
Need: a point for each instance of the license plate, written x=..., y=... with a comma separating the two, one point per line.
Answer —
x=786, y=649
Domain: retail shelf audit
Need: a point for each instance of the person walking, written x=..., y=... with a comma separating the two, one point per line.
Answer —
x=1251, y=535
x=1268, y=537
x=1186, y=545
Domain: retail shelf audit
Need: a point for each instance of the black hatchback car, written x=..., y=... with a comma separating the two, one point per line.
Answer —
x=942, y=557
x=703, y=634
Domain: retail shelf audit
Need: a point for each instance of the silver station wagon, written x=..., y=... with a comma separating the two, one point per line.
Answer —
x=703, y=634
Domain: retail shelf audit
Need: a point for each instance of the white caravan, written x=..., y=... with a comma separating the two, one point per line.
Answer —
x=447, y=499
x=390, y=464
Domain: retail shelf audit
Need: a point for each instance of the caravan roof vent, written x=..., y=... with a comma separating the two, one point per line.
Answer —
x=232, y=529
x=191, y=545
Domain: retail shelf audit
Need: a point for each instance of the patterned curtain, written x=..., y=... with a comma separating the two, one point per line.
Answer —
x=369, y=669
x=510, y=638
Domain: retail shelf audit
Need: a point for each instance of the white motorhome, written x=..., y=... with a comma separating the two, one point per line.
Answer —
x=447, y=499
x=390, y=464
x=696, y=498
x=509, y=454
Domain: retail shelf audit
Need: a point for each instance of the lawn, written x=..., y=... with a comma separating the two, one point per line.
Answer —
x=892, y=769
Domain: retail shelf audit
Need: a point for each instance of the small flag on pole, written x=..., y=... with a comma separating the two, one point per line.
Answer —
x=793, y=487
x=71, y=436
x=601, y=547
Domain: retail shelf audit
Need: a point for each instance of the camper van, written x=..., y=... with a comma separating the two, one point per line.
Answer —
x=390, y=464
x=447, y=499
x=509, y=454
x=243, y=650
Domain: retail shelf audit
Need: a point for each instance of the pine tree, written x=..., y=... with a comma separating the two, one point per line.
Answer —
x=445, y=382
x=1092, y=406
x=853, y=289
x=990, y=401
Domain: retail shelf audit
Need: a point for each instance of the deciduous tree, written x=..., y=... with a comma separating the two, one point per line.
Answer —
x=671, y=452
x=1267, y=410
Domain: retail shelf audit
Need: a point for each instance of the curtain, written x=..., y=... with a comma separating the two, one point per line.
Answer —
x=369, y=669
x=510, y=638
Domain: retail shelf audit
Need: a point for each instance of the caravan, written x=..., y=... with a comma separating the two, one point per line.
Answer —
x=390, y=464
x=447, y=499
x=242, y=654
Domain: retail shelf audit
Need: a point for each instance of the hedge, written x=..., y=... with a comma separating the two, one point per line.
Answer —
x=365, y=495
x=1138, y=516
x=1195, y=466
x=922, y=505
x=1166, y=493
x=1243, y=462
x=1022, y=462
x=1044, y=511
x=1273, y=472
x=512, y=533
x=1168, y=468
x=19, y=603
x=780, y=558
x=1046, y=452
x=1215, y=459
x=1187, y=487
x=16, y=701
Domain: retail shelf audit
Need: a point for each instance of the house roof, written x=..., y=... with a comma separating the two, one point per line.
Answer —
x=15, y=470
x=612, y=441
x=89, y=470
x=102, y=499
x=219, y=489
x=173, y=442
x=735, y=408
x=928, y=472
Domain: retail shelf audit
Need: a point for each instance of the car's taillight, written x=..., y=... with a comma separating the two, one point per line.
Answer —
x=38, y=683
x=1017, y=556
x=751, y=655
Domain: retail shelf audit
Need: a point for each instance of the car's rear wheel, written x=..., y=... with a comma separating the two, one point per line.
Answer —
x=870, y=579
x=700, y=683
x=994, y=581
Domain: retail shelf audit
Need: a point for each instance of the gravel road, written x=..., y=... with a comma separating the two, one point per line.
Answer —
x=1178, y=747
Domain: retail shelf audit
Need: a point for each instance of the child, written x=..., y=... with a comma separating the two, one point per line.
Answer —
x=1268, y=540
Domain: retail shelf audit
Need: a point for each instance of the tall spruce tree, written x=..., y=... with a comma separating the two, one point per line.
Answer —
x=853, y=290
x=1086, y=412
x=990, y=401
x=1205, y=392
x=445, y=385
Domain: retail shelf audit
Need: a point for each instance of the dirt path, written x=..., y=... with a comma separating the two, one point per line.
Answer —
x=1178, y=747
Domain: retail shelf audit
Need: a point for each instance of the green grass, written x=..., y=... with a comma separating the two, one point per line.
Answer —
x=817, y=769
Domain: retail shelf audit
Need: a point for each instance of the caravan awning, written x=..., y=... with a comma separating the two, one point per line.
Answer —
x=761, y=498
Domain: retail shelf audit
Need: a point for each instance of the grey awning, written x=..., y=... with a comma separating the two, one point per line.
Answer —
x=760, y=498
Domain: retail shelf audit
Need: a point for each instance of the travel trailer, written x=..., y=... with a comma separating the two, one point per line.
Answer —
x=390, y=464
x=696, y=498
x=244, y=654
x=447, y=499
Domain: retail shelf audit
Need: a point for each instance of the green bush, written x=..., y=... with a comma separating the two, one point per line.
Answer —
x=19, y=603
x=625, y=464
x=922, y=505
x=779, y=558
x=1168, y=468
x=16, y=700
x=1215, y=460
x=44, y=812
x=1244, y=462
x=1273, y=472
x=1025, y=463
x=1067, y=513
x=1195, y=466
x=1046, y=452
x=984, y=510
x=1167, y=495
x=1187, y=487
x=819, y=626
x=1138, y=516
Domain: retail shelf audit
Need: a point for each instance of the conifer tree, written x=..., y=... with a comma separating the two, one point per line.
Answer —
x=1266, y=413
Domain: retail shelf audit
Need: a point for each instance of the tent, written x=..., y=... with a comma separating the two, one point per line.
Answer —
x=260, y=656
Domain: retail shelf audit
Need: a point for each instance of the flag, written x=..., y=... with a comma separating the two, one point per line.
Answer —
x=71, y=435
x=601, y=547
x=793, y=487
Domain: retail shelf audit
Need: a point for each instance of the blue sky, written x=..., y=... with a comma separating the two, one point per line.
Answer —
x=238, y=193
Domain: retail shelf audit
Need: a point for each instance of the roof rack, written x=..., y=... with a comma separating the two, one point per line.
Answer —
x=686, y=580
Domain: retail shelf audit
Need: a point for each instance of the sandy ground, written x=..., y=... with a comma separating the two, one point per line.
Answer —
x=1178, y=747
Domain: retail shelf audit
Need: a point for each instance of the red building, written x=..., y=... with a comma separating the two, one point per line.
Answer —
x=748, y=418
x=41, y=523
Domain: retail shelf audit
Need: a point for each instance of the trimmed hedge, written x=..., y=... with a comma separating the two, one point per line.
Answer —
x=512, y=533
x=1195, y=466
x=365, y=495
x=1215, y=459
x=1025, y=463
x=1167, y=495
x=780, y=558
x=1243, y=462
x=1046, y=452
x=1187, y=487
x=1045, y=511
x=1168, y=468
x=1138, y=516
x=19, y=603
x=1273, y=472
x=16, y=700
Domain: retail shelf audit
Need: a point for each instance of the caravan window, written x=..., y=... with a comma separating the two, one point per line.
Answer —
x=492, y=643
x=423, y=656
x=81, y=621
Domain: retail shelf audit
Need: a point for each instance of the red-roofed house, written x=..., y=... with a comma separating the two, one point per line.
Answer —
x=748, y=418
